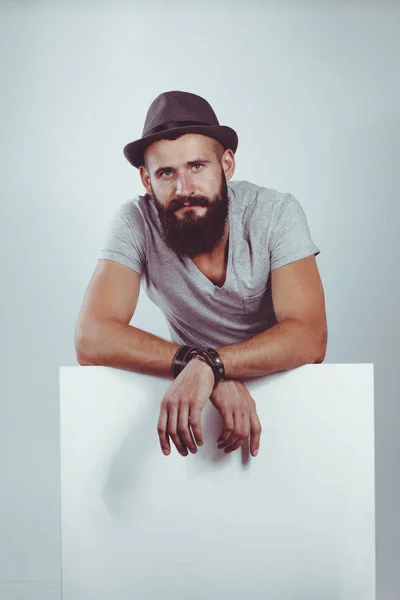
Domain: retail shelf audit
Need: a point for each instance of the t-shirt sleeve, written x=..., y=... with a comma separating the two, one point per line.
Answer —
x=125, y=241
x=291, y=238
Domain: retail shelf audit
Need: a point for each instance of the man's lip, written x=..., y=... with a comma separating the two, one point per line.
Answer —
x=189, y=206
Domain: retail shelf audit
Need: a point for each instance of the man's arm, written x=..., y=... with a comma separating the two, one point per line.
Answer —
x=299, y=337
x=103, y=335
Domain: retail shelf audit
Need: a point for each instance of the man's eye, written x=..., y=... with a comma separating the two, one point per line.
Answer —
x=163, y=172
x=197, y=165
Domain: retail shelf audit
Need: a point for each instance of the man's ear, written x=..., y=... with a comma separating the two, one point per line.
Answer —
x=228, y=164
x=145, y=177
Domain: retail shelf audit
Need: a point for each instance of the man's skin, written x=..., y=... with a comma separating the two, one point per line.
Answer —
x=193, y=170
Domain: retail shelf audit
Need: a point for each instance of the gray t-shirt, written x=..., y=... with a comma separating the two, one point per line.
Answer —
x=268, y=229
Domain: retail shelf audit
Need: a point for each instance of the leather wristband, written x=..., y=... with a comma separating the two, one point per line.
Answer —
x=215, y=361
x=185, y=353
x=182, y=356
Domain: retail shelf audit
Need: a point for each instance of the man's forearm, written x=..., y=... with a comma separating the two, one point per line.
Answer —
x=113, y=344
x=289, y=344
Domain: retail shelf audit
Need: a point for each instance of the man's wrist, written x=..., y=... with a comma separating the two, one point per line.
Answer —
x=210, y=356
x=203, y=360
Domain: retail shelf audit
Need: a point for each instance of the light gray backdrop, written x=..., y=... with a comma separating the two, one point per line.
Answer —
x=312, y=89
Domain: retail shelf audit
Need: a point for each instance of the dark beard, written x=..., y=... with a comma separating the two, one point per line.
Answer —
x=193, y=235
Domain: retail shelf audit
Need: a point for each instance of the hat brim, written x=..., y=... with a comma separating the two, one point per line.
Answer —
x=222, y=133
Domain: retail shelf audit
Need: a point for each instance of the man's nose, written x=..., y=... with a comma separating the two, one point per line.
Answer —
x=185, y=185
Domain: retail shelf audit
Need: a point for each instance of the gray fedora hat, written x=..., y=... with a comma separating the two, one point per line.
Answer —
x=179, y=112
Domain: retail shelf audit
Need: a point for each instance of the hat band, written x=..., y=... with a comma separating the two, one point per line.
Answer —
x=175, y=125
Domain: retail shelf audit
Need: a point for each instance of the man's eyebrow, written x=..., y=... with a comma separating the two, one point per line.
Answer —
x=190, y=162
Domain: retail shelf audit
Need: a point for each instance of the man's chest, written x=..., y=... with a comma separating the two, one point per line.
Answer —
x=215, y=270
x=216, y=273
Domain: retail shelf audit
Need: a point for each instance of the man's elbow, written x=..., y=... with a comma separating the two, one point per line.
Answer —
x=321, y=347
x=84, y=356
x=83, y=360
x=319, y=360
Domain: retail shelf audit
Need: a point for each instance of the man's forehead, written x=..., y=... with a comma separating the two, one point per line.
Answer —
x=186, y=148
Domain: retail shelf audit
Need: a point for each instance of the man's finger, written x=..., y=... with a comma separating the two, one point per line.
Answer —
x=228, y=427
x=184, y=432
x=255, y=433
x=229, y=440
x=244, y=432
x=162, y=431
x=172, y=430
x=235, y=446
x=195, y=424
x=237, y=430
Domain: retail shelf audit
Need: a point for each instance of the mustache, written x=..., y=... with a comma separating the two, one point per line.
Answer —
x=192, y=201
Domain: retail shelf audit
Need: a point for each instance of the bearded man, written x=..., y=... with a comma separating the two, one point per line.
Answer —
x=231, y=264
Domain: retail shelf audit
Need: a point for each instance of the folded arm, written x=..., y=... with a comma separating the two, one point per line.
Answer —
x=299, y=337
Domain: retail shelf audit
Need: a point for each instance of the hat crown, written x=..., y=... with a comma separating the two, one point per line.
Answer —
x=176, y=106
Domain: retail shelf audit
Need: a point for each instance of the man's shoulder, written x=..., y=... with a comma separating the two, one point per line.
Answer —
x=130, y=214
x=132, y=209
x=256, y=197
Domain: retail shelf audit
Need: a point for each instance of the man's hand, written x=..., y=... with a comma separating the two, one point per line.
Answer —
x=182, y=405
x=238, y=409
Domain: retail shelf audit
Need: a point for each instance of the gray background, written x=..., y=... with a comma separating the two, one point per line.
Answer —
x=312, y=88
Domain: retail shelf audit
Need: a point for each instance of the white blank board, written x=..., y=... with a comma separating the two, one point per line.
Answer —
x=296, y=522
